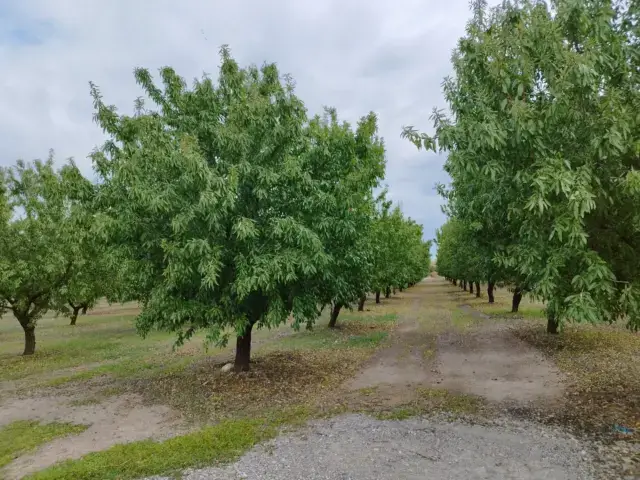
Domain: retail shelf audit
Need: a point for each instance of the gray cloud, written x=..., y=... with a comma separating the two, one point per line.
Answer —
x=357, y=56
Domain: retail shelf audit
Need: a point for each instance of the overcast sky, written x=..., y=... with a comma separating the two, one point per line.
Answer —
x=354, y=55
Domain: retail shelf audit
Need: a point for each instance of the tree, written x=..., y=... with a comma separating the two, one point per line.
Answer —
x=37, y=240
x=211, y=203
x=347, y=165
x=542, y=128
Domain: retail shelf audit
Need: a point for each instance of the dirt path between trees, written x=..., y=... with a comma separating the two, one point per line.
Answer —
x=448, y=357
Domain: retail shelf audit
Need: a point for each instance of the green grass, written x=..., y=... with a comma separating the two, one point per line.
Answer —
x=21, y=437
x=220, y=443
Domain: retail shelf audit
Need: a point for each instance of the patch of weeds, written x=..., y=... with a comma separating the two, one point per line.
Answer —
x=603, y=371
x=443, y=400
x=23, y=436
x=368, y=391
x=216, y=444
x=369, y=340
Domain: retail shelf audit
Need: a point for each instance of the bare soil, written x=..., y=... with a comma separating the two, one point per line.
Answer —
x=119, y=419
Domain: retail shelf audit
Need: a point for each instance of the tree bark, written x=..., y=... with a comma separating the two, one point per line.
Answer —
x=377, y=296
x=478, y=289
x=552, y=324
x=335, y=311
x=470, y=287
x=490, y=286
x=387, y=292
x=363, y=298
x=515, y=302
x=74, y=315
x=455, y=282
x=29, y=340
x=243, y=350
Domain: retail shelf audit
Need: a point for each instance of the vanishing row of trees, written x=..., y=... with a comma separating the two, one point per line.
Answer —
x=543, y=147
x=224, y=208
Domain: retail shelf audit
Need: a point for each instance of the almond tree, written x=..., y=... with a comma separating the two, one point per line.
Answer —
x=209, y=198
x=544, y=124
x=38, y=240
x=347, y=165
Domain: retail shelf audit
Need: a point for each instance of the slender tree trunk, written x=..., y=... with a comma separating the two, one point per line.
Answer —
x=363, y=298
x=478, y=289
x=394, y=290
x=377, y=296
x=515, y=301
x=74, y=315
x=490, y=286
x=463, y=284
x=401, y=288
x=335, y=311
x=387, y=292
x=29, y=340
x=552, y=323
x=243, y=350
x=470, y=287
x=455, y=282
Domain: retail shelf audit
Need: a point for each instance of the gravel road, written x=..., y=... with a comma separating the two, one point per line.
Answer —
x=358, y=447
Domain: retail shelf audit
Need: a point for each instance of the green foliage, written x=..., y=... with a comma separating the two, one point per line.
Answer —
x=42, y=220
x=22, y=436
x=543, y=150
x=211, y=204
x=347, y=166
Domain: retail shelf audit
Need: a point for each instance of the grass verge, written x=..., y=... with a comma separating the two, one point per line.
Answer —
x=20, y=437
x=216, y=444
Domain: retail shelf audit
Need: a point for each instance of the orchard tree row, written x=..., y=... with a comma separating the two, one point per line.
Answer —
x=222, y=207
x=543, y=143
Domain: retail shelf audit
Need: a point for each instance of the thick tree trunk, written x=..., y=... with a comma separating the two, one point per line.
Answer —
x=243, y=350
x=490, y=286
x=29, y=340
x=515, y=301
x=552, y=324
x=363, y=299
x=335, y=311
x=470, y=287
x=377, y=296
x=478, y=289
x=387, y=292
x=74, y=315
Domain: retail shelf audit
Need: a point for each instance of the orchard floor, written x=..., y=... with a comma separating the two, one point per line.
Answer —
x=432, y=383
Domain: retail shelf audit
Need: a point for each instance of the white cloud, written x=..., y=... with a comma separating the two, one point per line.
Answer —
x=357, y=55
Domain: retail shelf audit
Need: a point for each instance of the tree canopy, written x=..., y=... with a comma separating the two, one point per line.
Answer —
x=543, y=153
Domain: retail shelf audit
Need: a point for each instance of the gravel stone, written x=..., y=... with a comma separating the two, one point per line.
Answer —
x=358, y=447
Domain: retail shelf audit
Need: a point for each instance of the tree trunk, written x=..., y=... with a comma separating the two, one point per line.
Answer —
x=335, y=311
x=552, y=324
x=243, y=350
x=455, y=282
x=29, y=340
x=387, y=292
x=490, y=286
x=363, y=299
x=401, y=288
x=470, y=287
x=74, y=315
x=463, y=284
x=478, y=289
x=84, y=308
x=377, y=296
x=515, y=302
x=394, y=290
